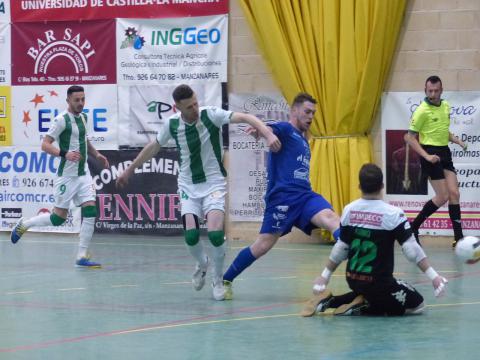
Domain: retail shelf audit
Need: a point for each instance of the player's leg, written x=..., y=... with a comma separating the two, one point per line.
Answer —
x=85, y=197
x=317, y=213
x=87, y=227
x=454, y=205
x=63, y=193
x=398, y=298
x=214, y=207
x=436, y=175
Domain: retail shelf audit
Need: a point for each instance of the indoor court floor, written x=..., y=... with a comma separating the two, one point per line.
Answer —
x=141, y=305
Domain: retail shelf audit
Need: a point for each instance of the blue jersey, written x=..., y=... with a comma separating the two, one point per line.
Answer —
x=288, y=169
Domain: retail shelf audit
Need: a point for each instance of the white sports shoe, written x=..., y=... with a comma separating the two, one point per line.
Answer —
x=198, y=277
x=218, y=289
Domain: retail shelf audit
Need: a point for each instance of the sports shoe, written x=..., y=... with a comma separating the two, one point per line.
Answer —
x=454, y=244
x=86, y=263
x=318, y=303
x=18, y=231
x=198, y=277
x=227, y=285
x=218, y=289
x=354, y=308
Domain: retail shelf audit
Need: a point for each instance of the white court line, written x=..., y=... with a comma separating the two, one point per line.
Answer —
x=124, y=286
x=19, y=292
x=72, y=289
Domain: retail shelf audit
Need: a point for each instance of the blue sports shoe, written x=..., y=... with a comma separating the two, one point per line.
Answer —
x=18, y=231
x=86, y=263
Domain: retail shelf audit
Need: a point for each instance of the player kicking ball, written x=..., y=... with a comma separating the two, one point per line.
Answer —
x=368, y=230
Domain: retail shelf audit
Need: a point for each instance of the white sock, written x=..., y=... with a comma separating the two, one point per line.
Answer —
x=39, y=220
x=198, y=253
x=86, y=233
x=218, y=254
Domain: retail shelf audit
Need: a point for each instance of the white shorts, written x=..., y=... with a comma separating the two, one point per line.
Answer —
x=78, y=189
x=202, y=205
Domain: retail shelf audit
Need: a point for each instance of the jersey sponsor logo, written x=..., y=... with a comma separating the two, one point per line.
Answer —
x=364, y=217
x=301, y=174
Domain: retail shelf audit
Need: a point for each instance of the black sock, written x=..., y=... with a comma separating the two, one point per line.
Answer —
x=455, y=216
x=428, y=209
x=342, y=299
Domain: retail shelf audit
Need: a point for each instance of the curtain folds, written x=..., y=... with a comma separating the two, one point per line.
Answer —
x=340, y=52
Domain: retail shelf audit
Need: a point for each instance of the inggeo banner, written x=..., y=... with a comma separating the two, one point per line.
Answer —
x=406, y=187
x=152, y=51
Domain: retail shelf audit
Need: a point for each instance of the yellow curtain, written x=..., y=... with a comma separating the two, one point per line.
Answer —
x=340, y=52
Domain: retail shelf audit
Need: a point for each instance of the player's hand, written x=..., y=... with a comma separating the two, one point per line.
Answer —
x=319, y=285
x=73, y=156
x=273, y=143
x=252, y=132
x=439, y=285
x=103, y=160
x=433, y=158
x=122, y=180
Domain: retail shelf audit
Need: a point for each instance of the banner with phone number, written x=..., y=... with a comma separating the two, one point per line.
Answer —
x=27, y=177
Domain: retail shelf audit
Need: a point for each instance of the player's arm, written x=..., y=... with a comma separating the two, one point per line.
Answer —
x=414, y=253
x=147, y=153
x=338, y=254
x=456, y=140
x=272, y=141
x=94, y=153
x=49, y=148
x=411, y=138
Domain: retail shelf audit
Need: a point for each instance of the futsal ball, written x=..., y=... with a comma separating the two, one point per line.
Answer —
x=468, y=248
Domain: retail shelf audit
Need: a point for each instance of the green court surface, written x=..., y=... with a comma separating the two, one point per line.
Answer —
x=141, y=305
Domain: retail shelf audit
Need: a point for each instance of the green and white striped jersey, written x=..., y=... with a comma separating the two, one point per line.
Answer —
x=201, y=149
x=70, y=132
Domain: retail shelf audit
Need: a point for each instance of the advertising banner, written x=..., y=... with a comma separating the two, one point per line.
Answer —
x=142, y=109
x=152, y=51
x=5, y=59
x=34, y=109
x=4, y=11
x=5, y=116
x=406, y=187
x=26, y=177
x=63, y=53
x=56, y=10
x=149, y=204
x=248, y=157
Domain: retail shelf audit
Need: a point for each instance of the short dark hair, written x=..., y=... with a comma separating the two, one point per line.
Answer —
x=182, y=92
x=303, y=97
x=74, y=88
x=433, y=79
x=370, y=178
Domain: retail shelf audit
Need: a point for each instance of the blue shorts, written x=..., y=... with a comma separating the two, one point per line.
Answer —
x=287, y=211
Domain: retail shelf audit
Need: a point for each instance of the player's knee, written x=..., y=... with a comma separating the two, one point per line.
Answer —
x=89, y=211
x=192, y=237
x=56, y=220
x=454, y=196
x=217, y=238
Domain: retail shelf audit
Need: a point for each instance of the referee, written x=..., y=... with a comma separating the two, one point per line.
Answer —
x=429, y=135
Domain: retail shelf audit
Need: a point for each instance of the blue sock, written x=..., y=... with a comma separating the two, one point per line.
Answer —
x=243, y=260
x=336, y=234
